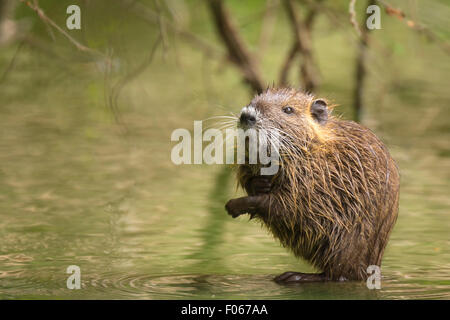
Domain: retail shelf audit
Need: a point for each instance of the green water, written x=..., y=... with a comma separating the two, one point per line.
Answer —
x=78, y=187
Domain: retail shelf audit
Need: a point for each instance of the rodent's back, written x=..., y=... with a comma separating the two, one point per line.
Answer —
x=338, y=202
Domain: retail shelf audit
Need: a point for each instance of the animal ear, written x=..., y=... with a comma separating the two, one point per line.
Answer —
x=319, y=111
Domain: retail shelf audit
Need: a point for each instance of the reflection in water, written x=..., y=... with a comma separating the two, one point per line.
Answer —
x=212, y=234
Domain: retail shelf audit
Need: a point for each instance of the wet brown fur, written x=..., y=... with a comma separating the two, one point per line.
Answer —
x=335, y=197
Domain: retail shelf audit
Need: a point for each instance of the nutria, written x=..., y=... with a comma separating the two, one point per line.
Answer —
x=334, y=199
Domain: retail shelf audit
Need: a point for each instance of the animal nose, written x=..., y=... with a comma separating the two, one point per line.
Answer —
x=247, y=119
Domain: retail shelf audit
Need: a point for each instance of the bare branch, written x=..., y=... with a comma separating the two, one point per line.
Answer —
x=153, y=17
x=11, y=63
x=361, y=68
x=314, y=8
x=238, y=53
x=351, y=10
x=400, y=14
x=35, y=7
x=308, y=70
x=267, y=26
x=113, y=94
x=295, y=48
x=286, y=66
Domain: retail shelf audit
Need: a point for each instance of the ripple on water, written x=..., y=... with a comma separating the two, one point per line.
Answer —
x=250, y=287
x=176, y=286
x=192, y=286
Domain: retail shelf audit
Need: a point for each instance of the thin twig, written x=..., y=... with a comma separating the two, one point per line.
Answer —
x=353, y=21
x=47, y=26
x=361, y=69
x=286, y=66
x=153, y=17
x=162, y=29
x=35, y=7
x=12, y=62
x=400, y=15
x=117, y=88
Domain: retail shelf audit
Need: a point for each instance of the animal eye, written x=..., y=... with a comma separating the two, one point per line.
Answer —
x=288, y=110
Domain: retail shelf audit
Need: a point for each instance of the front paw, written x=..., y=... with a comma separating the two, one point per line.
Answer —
x=234, y=208
x=261, y=184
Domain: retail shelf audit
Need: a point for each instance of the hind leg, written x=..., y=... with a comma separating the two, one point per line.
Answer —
x=298, y=277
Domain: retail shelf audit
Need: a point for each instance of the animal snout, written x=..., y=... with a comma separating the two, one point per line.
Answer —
x=247, y=119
